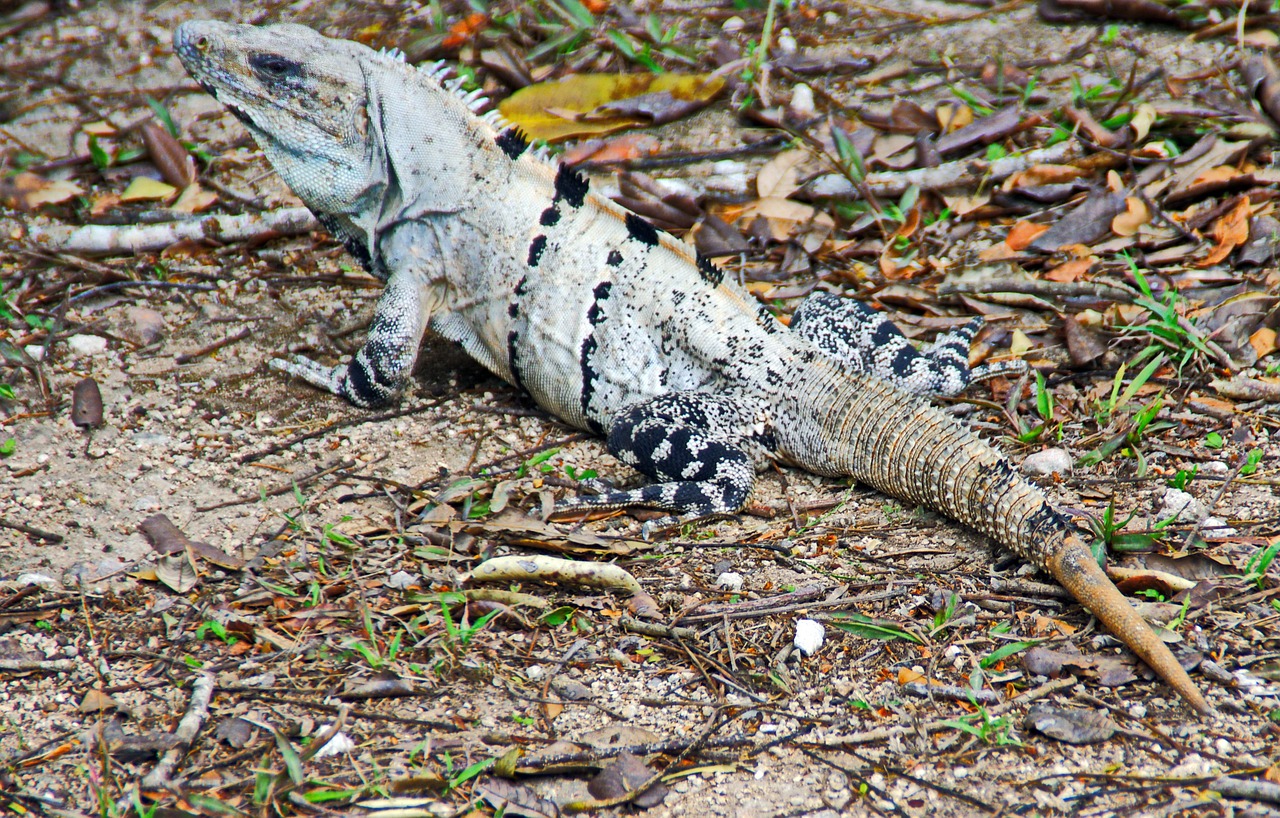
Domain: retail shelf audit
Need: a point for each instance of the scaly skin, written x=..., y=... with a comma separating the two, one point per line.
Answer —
x=606, y=322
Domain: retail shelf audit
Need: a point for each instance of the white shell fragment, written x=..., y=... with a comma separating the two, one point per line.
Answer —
x=809, y=636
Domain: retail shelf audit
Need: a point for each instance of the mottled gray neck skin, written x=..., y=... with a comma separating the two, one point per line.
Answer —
x=342, y=124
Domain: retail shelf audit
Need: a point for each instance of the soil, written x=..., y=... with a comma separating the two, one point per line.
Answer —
x=333, y=588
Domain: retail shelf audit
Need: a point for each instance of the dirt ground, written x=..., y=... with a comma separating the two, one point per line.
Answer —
x=339, y=539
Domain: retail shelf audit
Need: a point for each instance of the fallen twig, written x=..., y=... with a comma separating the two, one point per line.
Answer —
x=141, y=238
x=188, y=727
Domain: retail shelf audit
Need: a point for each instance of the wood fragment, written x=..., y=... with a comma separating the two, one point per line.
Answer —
x=188, y=728
x=102, y=239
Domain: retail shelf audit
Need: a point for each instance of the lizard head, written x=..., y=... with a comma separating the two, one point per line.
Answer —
x=365, y=140
x=302, y=97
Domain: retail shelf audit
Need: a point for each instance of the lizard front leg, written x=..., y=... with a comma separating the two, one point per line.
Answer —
x=866, y=341
x=381, y=367
x=685, y=441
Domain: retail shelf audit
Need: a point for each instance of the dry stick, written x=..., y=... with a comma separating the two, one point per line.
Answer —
x=1217, y=498
x=188, y=357
x=35, y=532
x=101, y=238
x=886, y=733
x=188, y=727
x=284, y=489
x=1248, y=790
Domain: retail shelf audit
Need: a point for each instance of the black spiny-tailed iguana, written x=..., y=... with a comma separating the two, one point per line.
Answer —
x=606, y=322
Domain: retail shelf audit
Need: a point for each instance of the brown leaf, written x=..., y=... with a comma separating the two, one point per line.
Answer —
x=27, y=191
x=86, y=404
x=982, y=131
x=621, y=776
x=1086, y=224
x=1263, y=82
x=1263, y=341
x=1092, y=128
x=1073, y=725
x=174, y=163
x=95, y=701
x=164, y=536
x=515, y=799
x=217, y=556
x=1083, y=344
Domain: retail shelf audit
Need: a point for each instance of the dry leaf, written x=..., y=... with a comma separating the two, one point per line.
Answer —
x=1229, y=232
x=1143, y=118
x=142, y=189
x=779, y=177
x=27, y=191
x=1135, y=215
x=1022, y=234
x=194, y=199
x=1263, y=341
x=596, y=104
x=175, y=164
x=1069, y=271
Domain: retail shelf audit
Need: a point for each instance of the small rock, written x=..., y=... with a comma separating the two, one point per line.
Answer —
x=787, y=42
x=802, y=106
x=36, y=351
x=1216, y=527
x=336, y=746
x=1047, y=463
x=86, y=345
x=730, y=581
x=42, y=580
x=733, y=25
x=1182, y=505
x=142, y=325
x=401, y=580
x=809, y=636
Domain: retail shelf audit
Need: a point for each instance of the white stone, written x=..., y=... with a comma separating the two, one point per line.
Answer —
x=36, y=351
x=42, y=580
x=1047, y=463
x=733, y=25
x=802, y=105
x=787, y=42
x=1182, y=505
x=731, y=581
x=87, y=345
x=809, y=636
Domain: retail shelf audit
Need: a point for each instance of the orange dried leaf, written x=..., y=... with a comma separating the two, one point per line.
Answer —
x=906, y=675
x=1229, y=232
x=1136, y=213
x=1069, y=271
x=1263, y=341
x=1022, y=234
x=464, y=30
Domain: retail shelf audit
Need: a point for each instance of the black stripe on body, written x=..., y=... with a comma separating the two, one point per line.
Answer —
x=595, y=316
x=549, y=216
x=571, y=186
x=513, y=337
x=536, y=247
x=641, y=230
x=357, y=248
x=513, y=142
x=614, y=259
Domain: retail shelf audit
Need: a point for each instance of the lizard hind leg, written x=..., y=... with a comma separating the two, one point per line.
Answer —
x=671, y=439
x=866, y=341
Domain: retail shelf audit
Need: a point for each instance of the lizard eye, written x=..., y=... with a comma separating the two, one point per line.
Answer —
x=275, y=67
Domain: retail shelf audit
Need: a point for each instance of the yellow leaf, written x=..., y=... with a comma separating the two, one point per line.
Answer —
x=1019, y=342
x=779, y=176
x=579, y=105
x=143, y=188
x=99, y=128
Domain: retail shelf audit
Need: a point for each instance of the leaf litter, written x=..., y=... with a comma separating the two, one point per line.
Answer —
x=1122, y=205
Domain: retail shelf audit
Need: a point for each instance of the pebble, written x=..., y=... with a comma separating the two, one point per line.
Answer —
x=143, y=325
x=809, y=636
x=787, y=42
x=1047, y=463
x=730, y=581
x=86, y=345
x=733, y=25
x=1187, y=508
x=802, y=105
x=36, y=351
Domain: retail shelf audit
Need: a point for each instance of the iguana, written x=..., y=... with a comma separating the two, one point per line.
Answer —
x=606, y=322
